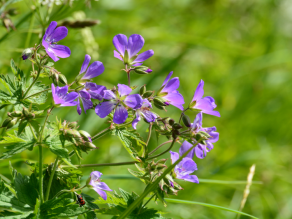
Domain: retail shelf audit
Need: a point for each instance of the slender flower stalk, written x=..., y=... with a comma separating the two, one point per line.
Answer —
x=51, y=179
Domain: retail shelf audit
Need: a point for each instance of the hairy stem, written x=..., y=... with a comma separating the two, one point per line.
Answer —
x=36, y=78
x=41, y=157
x=148, y=139
x=51, y=179
x=104, y=164
x=101, y=133
x=151, y=187
x=159, y=147
x=168, y=149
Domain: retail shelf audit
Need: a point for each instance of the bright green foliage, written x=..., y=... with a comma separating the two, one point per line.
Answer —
x=36, y=88
x=61, y=207
x=16, y=71
x=131, y=140
x=16, y=144
x=118, y=203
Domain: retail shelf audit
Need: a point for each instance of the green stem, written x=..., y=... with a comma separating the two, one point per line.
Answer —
x=104, y=164
x=37, y=93
x=181, y=115
x=36, y=78
x=31, y=129
x=148, y=139
x=148, y=201
x=159, y=146
x=41, y=157
x=100, y=134
x=51, y=179
x=129, y=79
x=151, y=187
x=168, y=149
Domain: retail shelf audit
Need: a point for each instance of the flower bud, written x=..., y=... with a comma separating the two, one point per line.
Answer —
x=177, y=125
x=72, y=125
x=142, y=70
x=71, y=133
x=186, y=120
x=159, y=107
x=142, y=90
x=87, y=146
x=159, y=101
x=31, y=116
x=25, y=112
x=160, y=166
x=6, y=122
x=175, y=133
x=12, y=11
x=11, y=123
x=171, y=122
x=27, y=53
x=85, y=135
x=55, y=78
x=148, y=94
x=63, y=79
x=16, y=114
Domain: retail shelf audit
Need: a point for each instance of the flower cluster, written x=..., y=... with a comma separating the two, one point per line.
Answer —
x=123, y=104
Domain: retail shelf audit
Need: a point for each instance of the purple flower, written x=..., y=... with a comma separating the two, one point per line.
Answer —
x=61, y=96
x=187, y=166
x=169, y=92
x=202, y=149
x=52, y=36
x=145, y=113
x=91, y=90
x=206, y=104
x=117, y=102
x=96, y=68
x=97, y=185
x=131, y=47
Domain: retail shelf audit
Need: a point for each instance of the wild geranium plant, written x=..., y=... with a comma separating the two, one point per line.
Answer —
x=54, y=190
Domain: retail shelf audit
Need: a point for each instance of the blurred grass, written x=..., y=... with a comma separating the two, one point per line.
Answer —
x=241, y=49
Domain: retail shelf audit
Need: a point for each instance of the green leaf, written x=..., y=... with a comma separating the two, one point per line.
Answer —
x=16, y=71
x=61, y=207
x=10, y=202
x=208, y=205
x=37, y=98
x=14, y=215
x=15, y=145
x=14, y=91
x=90, y=215
x=89, y=201
x=131, y=140
x=21, y=126
x=26, y=189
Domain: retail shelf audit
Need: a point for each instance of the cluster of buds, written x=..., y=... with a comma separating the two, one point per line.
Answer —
x=22, y=116
x=145, y=94
x=167, y=126
x=79, y=138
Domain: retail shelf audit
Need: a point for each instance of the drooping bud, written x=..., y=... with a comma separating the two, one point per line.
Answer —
x=186, y=120
x=142, y=90
x=71, y=133
x=11, y=123
x=6, y=122
x=177, y=125
x=85, y=135
x=55, y=78
x=16, y=114
x=159, y=107
x=27, y=53
x=148, y=94
x=142, y=70
x=159, y=101
x=87, y=146
x=63, y=79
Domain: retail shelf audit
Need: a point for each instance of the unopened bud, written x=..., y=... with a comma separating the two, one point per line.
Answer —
x=177, y=125
x=171, y=122
x=159, y=101
x=63, y=79
x=175, y=133
x=71, y=133
x=16, y=114
x=142, y=70
x=142, y=90
x=6, y=121
x=11, y=123
x=160, y=166
x=186, y=120
x=148, y=94
x=159, y=107
x=27, y=53
x=25, y=112
x=88, y=146
x=55, y=78
x=12, y=11
x=85, y=135
x=31, y=116
x=72, y=125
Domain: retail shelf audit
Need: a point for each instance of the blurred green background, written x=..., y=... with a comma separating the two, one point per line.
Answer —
x=241, y=49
